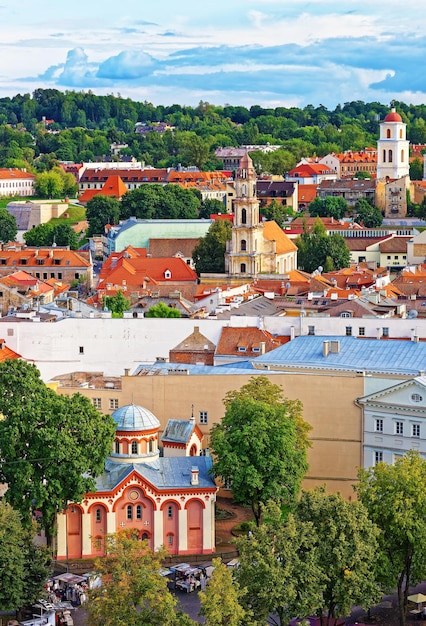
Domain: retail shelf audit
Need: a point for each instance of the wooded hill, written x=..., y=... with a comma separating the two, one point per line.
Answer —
x=88, y=124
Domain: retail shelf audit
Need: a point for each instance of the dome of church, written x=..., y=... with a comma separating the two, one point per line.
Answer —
x=393, y=116
x=134, y=417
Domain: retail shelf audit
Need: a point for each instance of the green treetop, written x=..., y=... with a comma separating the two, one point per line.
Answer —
x=8, y=228
x=52, y=447
x=220, y=604
x=346, y=552
x=133, y=592
x=209, y=253
x=396, y=502
x=261, y=444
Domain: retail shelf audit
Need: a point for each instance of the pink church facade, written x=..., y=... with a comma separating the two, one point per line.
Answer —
x=169, y=499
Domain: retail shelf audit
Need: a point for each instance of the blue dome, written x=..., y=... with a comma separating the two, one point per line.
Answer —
x=134, y=417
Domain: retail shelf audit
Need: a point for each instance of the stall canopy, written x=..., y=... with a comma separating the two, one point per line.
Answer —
x=69, y=578
x=417, y=598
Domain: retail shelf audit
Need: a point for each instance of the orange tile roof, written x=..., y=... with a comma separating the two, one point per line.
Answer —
x=307, y=193
x=7, y=353
x=44, y=257
x=7, y=173
x=134, y=272
x=273, y=232
x=245, y=341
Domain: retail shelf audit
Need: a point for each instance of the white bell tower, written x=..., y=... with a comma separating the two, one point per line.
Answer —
x=393, y=148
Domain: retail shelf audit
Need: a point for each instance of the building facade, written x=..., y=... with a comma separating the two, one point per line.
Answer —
x=169, y=500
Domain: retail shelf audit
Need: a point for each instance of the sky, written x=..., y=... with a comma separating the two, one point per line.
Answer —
x=239, y=52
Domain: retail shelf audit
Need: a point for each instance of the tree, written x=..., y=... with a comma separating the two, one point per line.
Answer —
x=276, y=212
x=330, y=206
x=416, y=169
x=39, y=235
x=157, y=202
x=116, y=304
x=133, y=592
x=278, y=570
x=162, y=310
x=347, y=547
x=317, y=249
x=23, y=565
x=101, y=210
x=49, y=185
x=260, y=445
x=369, y=215
x=209, y=253
x=219, y=608
x=396, y=502
x=52, y=447
x=64, y=235
x=211, y=207
x=8, y=227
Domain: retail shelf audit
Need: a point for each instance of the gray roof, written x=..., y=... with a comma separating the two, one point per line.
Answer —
x=177, y=431
x=134, y=417
x=165, y=473
x=356, y=354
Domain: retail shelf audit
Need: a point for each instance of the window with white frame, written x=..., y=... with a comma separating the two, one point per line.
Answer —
x=415, y=430
x=378, y=427
x=170, y=511
x=385, y=331
x=113, y=403
x=348, y=331
x=361, y=331
x=378, y=457
x=98, y=515
x=203, y=417
x=399, y=428
x=97, y=403
x=134, y=447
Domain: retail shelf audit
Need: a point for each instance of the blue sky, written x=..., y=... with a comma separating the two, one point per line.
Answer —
x=241, y=52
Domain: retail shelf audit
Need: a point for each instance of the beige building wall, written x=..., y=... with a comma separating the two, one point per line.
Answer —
x=328, y=401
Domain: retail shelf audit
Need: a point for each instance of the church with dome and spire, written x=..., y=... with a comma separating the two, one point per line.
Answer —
x=256, y=247
x=169, y=497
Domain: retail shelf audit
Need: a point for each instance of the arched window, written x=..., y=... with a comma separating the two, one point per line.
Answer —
x=134, y=447
x=244, y=190
x=151, y=445
x=129, y=512
x=170, y=511
x=144, y=536
x=384, y=156
x=170, y=539
x=98, y=515
x=402, y=156
x=400, y=133
x=390, y=156
x=243, y=268
x=244, y=216
x=138, y=511
x=117, y=447
x=243, y=245
x=388, y=133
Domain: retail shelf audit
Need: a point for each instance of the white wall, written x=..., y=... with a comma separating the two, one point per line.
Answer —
x=111, y=345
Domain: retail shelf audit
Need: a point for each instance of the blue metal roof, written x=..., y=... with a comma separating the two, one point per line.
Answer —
x=134, y=417
x=178, y=431
x=164, y=473
x=391, y=356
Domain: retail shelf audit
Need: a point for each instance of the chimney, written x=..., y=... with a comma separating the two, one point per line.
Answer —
x=126, y=371
x=2, y=343
x=262, y=347
x=335, y=346
x=194, y=475
x=325, y=348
